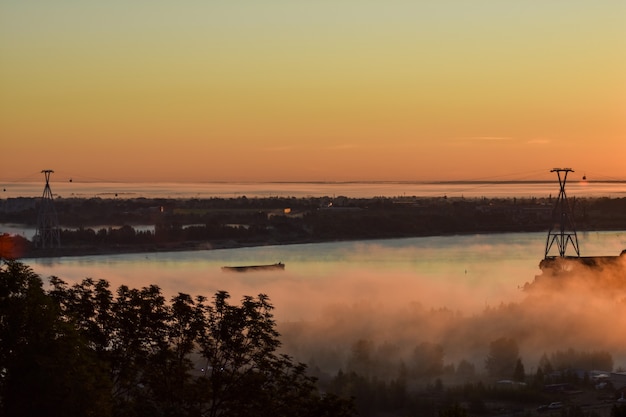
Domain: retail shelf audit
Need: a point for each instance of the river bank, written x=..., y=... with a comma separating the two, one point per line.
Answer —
x=102, y=227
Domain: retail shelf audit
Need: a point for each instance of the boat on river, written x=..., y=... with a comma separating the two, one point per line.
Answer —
x=248, y=268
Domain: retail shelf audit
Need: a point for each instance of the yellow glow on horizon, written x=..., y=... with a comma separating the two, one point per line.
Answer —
x=361, y=90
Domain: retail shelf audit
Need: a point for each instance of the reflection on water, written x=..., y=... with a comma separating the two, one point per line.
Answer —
x=124, y=190
x=437, y=271
x=458, y=291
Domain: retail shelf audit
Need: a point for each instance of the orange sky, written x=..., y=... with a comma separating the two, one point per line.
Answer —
x=334, y=91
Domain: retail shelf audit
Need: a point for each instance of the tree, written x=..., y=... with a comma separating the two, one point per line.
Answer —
x=503, y=355
x=82, y=350
x=89, y=305
x=47, y=368
x=243, y=373
x=361, y=360
x=572, y=358
x=545, y=365
x=539, y=377
x=519, y=374
x=618, y=410
x=466, y=369
x=427, y=360
x=139, y=320
x=169, y=374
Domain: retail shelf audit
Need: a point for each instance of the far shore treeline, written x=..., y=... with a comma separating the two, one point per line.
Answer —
x=97, y=225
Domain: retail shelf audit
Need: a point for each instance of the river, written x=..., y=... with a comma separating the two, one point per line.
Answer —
x=490, y=267
x=373, y=286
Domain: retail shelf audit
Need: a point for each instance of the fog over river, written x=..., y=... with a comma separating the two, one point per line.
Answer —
x=460, y=292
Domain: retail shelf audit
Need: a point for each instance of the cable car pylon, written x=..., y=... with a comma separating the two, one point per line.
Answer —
x=562, y=231
x=48, y=234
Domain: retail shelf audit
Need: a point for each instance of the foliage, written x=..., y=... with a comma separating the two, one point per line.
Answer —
x=466, y=369
x=618, y=410
x=545, y=365
x=362, y=357
x=427, y=360
x=86, y=351
x=574, y=359
x=46, y=367
x=375, y=397
x=503, y=355
x=519, y=374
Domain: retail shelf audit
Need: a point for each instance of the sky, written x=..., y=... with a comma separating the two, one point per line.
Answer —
x=277, y=90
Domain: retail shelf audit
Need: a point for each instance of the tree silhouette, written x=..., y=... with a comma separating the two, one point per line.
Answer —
x=503, y=355
x=82, y=350
x=243, y=373
x=47, y=368
x=427, y=360
x=519, y=374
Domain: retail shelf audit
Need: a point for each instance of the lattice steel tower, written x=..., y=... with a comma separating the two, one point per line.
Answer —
x=562, y=231
x=48, y=235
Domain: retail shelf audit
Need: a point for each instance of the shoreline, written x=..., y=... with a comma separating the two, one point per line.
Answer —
x=224, y=245
x=213, y=224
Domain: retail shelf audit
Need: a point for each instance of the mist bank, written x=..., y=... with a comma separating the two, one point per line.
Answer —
x=395, y=297
x=582, y=312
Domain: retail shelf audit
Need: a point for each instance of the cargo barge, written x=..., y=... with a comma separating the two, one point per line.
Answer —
x=248, y=268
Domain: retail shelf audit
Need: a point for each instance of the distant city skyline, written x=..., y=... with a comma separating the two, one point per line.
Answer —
x=312, y=91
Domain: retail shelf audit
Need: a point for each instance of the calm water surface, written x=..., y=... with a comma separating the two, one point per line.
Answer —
x=436, y=272
x=61, y=187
